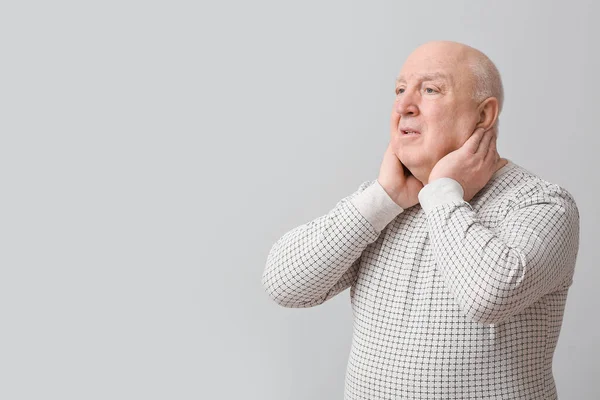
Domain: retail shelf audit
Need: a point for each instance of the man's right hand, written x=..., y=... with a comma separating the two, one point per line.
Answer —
x=402, y=189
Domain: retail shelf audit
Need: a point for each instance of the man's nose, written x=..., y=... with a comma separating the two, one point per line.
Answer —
x=406, y=104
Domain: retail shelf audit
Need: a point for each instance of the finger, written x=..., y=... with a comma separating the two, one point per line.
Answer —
x=484, y=145
x=472, y=143
x=493, y=150
x=494, y=157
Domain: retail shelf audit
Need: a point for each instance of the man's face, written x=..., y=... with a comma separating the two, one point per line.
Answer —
x=433, y=97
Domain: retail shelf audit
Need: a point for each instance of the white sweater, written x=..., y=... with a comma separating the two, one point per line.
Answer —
x=451, y=299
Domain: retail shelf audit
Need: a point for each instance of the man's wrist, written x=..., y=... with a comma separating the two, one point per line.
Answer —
x=440, y=191
x=376, y=205
x=391, y=194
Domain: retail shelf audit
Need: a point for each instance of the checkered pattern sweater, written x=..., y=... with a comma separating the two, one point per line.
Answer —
x=451, y=299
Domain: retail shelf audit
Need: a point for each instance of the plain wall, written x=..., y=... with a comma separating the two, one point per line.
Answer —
x=152, y=152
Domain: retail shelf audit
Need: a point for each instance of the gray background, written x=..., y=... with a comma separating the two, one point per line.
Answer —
x=152, y=152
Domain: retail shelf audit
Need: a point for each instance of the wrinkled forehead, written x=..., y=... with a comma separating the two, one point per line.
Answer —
x=424, y=75
x=448, y=67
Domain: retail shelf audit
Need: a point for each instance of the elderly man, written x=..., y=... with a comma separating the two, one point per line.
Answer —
x=459, y=261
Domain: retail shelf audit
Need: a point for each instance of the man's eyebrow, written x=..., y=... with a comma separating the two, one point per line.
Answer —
x=426, y=77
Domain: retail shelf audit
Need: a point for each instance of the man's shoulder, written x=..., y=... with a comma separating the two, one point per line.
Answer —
x=530, y=188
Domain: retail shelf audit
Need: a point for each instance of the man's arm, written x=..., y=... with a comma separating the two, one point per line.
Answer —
x=496, y=274
x=315, y=261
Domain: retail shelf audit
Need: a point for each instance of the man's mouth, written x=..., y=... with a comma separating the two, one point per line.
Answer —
x=409, y=132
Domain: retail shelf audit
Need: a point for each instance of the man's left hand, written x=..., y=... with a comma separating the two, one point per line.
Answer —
x=472, y=165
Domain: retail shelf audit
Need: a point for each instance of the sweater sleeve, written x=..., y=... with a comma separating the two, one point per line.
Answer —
x=495, y=274
x=315, y=261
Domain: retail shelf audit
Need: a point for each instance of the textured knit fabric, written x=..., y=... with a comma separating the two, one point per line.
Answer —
x=451, y=299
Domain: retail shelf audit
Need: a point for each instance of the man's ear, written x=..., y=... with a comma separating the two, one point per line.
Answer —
x=488, y=113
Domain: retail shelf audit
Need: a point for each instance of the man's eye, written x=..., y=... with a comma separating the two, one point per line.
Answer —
x=430, y=90
x=400, y=90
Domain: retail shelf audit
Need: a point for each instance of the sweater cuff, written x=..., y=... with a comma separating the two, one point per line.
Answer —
x=440, y=191
x=376, y=206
